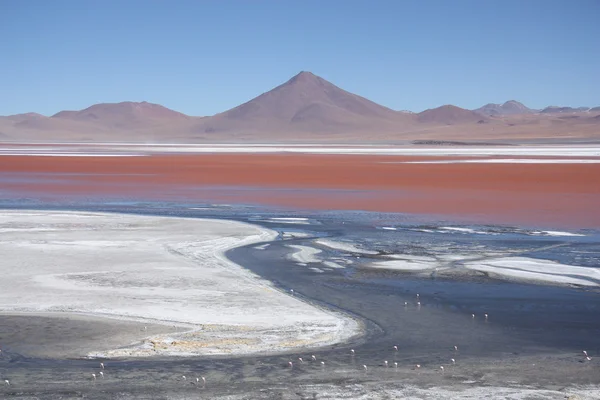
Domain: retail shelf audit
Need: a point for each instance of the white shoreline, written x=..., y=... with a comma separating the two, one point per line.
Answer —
x=574, y=150
x=157, y=270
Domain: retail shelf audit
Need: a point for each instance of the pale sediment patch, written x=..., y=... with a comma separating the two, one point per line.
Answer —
x=304, y=254
x=156, y=270
x=343, y=246
x=537, y=270
x=406, y=263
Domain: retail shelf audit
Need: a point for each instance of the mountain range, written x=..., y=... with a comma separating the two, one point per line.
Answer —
x=306, y=108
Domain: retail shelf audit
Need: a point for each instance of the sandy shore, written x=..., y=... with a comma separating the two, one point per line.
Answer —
x=165, y=280
x=539, y=194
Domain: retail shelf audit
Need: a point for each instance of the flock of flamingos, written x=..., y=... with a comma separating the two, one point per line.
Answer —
x=202, y=379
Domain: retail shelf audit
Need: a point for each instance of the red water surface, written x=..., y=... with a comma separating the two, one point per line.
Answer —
x=557, y=195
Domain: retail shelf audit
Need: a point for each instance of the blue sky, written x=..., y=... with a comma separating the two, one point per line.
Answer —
x=202, y=57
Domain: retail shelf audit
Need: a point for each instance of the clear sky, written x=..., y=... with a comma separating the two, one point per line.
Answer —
x=201, y=57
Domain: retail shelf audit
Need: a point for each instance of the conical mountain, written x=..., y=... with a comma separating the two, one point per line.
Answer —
x=306, y=103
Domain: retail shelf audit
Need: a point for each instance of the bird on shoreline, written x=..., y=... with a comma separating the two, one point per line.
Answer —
x=313, y=357
x=455, y=348
x=453, y=361
x=93, y=377
x=365, y=368
x=291, y=364
x=395, y=365
x=385, y=363
x=396, y=348
x=6, y=382
x=102, y=365
x=102, y=374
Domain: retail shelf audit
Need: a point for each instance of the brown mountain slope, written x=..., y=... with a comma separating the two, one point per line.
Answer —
x=306, y=103
x=450, y=115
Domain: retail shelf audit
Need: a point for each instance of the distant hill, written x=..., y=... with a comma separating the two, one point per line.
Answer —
x=558, y=110
x=450, y=115
x=123, y=115
x=511, y=107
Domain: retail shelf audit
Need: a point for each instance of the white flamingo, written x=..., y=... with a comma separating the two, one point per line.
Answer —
x=405, y=303
x=395, y=365
x=352, y=351
x=322, y=363
x=102, y=374
x=6, y=382
x=291, y=364
x=442, y=368
x=418, y=366
x=396, y=348
x=203, y=381
x=455, y=348
x=588, y=358
x=472, y=315
x=486, y=316
x=385, y=363
x=183, y=377
x=419, y=303
x=365, y=368
x=301, y=360
x=585, y=353
x=313, y=357
x=93, y=377
x=453, y=360
x=102, y=365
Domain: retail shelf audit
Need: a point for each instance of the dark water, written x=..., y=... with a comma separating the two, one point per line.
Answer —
x=528, y=325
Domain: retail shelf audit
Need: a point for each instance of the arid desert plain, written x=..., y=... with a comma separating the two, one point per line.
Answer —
x=135, y=271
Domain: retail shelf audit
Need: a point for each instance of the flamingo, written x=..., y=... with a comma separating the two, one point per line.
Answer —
x=313, y=357
x=455, y=348
x=292, y=291
x=453, y=360
x=94, y=377
x=102, y=374
x=352, y=351
x=385, y=363
x=405, y=303
x=6, y=382
x=417, y=295
x=418, y=366
x=203, y=381
x=322, y=363
x=365, y=368
x=486, y=316
x=102, y=365
x=395, y=365
x=396, y=348
x=585, y=353
x=418, y=303
x=301, y=360
x=588, y=358
x=291, y=364
x=442, y=368
x=472, y=315
x=183, y=377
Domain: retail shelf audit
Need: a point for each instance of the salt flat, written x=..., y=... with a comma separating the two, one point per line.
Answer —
x=156, y=270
